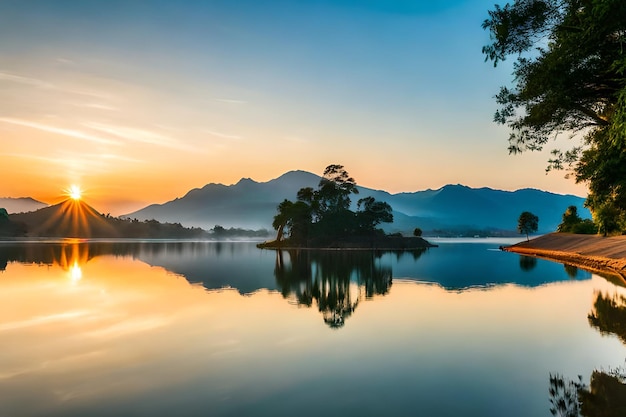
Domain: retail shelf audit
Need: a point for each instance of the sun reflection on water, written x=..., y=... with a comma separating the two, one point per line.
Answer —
x=76, y=273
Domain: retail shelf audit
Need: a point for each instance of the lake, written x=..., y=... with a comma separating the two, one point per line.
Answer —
x=224, y=329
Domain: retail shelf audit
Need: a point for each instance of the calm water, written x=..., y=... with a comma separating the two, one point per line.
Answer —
x=226, y=329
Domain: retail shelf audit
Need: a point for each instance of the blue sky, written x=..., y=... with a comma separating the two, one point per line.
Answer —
x=177, y=94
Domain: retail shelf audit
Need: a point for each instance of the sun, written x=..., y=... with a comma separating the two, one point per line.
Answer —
x=74, y=192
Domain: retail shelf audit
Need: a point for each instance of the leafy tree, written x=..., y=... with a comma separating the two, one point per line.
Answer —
x=4, y=215
x=334, y=189
x=607, y=217
x=527, y=223
x=417, y=232
x=569, y=220
x=371, y=213
x=325, y=213
x=569, y=78
x=572, y=223
x=296, y=217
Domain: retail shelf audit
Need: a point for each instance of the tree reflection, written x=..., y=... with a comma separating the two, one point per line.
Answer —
x=336, y=280
x=66, y=255
x=67, y=252
x=571, y=270
x=604, y=397
x=606, y=394
x=609, y=315
x=564, y=396
x=527, y=263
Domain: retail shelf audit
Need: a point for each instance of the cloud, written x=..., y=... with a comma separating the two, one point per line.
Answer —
x=230, y=101
x=65, y=61
x=97, y=106
x=36, y=157
x=297, y=139
x=108, y=156
x=138, y=135
x=76, y=134
x=25, y=80
x=35, y=82
x=221, y=135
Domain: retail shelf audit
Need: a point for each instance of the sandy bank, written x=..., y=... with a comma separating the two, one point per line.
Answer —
x=604, y=254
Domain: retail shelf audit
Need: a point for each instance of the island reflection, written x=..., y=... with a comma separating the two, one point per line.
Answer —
x=194, y=320
x=337, y=281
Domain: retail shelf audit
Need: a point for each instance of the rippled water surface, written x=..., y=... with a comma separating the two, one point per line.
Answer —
x=226, y=329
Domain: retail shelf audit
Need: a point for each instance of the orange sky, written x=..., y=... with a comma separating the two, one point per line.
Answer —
x=136, y=112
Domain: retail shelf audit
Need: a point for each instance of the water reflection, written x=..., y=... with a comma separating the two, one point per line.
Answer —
x=609, y=315
x=605, y=396
x=527, y=263
x=337, y=281
x=242, y=266
x=134, y=331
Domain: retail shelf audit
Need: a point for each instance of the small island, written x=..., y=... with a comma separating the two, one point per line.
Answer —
x=322, y=219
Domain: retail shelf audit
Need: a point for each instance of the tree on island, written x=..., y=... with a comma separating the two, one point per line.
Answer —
x=527, y=223
x=569, y=77
x=324, y=213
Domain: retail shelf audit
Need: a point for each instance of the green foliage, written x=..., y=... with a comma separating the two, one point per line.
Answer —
x=572, y=223
x=570, y=77
x=608, y=217
x=334, y=189
x=234, y=232
x=585, y=227
x=527, y=223
x=569, y=219
x=296, y=217
x=417, y=232
x=371, y=213
x=324, y=213
x=4, y=215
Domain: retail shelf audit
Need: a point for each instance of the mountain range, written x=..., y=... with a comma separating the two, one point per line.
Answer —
x=77, y=219
x=452, y=208
x=20, y=205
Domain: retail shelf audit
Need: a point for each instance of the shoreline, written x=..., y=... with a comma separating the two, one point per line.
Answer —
x=592, y=252
x=387, y=243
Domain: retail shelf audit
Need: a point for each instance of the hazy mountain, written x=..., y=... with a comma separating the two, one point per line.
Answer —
x=247, y=204
x=251, y=204
x=20, y=205
x=78, y=219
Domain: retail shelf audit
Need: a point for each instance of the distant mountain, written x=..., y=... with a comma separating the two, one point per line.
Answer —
x=251, y=204
x=77, y=219
x=247, y=204
x=20, y=205
x=69, y=218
